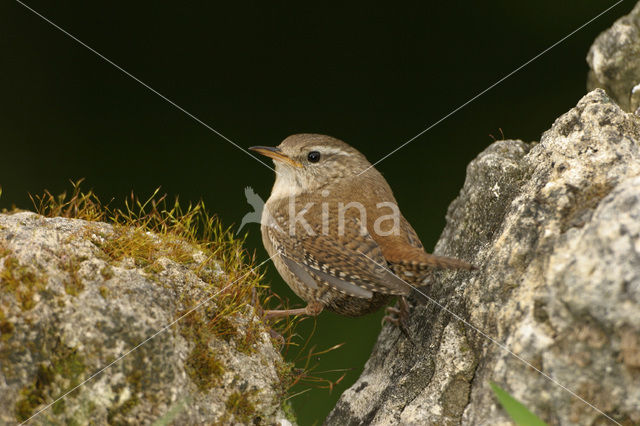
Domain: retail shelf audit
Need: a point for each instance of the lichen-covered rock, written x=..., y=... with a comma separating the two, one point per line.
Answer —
x=554, y=228
x=72, y=302
x=614, y=59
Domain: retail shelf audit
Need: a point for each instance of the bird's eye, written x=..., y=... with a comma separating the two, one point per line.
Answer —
x=313, y=157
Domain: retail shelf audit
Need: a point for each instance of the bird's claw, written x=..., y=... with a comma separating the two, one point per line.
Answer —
x=393, y=316
x=399, y=317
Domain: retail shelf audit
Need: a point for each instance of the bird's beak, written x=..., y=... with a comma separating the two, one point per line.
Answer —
x=276, y=154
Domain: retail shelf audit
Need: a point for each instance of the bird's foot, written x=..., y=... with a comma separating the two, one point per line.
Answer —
x=392, y=316
x=399, y=317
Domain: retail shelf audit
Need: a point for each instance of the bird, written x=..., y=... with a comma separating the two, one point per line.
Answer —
x=335, y=232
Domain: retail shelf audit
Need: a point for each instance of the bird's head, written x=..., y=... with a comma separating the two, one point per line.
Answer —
x=308, y=162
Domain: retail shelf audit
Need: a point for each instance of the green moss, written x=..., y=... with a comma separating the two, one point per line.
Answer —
x=286, y=373
x=208, y=323
x=34, y=395
x=106, y=272
x=73, y=422
x=21, y=281
x=247, y=343
x=147, y=230
x=69, y=364
x=6, y=327
x=104, y=291
x=240, y=406
x=154, y=269
x=177, y=250
x=152, y=272
x=117, y=411
x=121, y=410
x=289, y=413
x=201, y=327
x=208, y=274
x=145, y=249
x=65, y=364
x=4, y=250
x=73, y=284
x=127, y=243
x=222, y=327
x=203, y=367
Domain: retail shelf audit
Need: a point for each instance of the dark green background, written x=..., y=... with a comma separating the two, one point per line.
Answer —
x=373, y=76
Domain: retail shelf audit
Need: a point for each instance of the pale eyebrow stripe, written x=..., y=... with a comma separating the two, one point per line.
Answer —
x=327, y=150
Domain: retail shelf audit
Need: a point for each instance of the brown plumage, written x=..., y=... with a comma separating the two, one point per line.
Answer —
x=349, y=254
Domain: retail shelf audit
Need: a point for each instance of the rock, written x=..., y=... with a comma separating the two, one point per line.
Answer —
x=614, y=59
x=73, y=301
x=554, y=228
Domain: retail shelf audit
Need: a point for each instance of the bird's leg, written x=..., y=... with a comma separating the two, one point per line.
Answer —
x=312, y=309
x=392, y=315
x=404, y=309
x=399, y=316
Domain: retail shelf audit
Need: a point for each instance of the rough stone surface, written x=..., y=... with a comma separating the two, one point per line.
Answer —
x=614, y=59
x=66, y=311
x=554, y=228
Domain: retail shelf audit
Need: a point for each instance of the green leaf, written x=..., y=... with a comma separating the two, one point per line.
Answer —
x=518, y=412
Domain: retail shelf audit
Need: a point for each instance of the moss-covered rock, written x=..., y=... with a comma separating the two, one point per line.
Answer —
x=77, y=296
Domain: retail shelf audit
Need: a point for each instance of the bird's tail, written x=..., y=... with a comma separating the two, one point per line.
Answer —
x=417, y=260
x=433, y=261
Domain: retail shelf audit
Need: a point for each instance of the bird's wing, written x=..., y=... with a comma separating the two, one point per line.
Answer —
x=352, y=264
